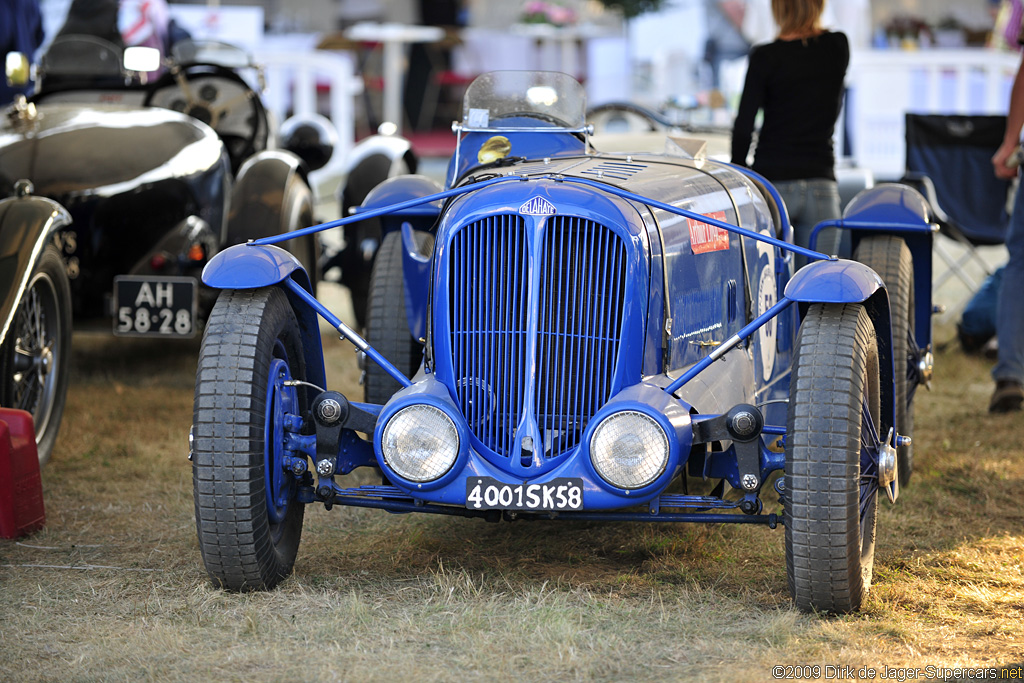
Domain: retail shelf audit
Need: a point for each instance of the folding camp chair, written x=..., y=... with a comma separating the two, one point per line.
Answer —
x=949, y=160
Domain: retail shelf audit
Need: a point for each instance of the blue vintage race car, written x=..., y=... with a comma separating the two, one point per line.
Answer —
x=570, y=332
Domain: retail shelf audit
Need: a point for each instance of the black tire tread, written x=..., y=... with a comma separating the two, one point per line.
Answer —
x=823, y=530
x=889, y=256
x=228, y=459
x=387, y=327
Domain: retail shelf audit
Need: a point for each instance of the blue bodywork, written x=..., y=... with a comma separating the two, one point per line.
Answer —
x=565, y=286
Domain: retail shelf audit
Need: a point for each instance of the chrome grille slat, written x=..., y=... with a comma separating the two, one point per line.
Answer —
x=581, y=267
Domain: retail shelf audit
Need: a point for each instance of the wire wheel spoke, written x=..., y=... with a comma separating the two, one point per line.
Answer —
x=33, y=353
x=869, y=449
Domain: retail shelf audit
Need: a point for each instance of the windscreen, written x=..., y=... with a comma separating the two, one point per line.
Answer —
x=210, y=52
x=524, y=99
x=81, y=55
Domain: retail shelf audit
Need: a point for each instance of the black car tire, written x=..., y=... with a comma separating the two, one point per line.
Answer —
x=356, y=260
x=830, y=534
x=36, y=357
x=387, y=326
x=889, y=256
x=242, y=547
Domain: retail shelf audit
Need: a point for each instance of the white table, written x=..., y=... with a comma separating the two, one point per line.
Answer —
x=393, y=37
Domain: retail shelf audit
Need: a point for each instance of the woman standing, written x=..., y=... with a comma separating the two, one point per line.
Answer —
x=797, y=82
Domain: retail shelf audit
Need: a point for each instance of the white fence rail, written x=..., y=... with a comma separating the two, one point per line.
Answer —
x=295, y=81
x=885, y=85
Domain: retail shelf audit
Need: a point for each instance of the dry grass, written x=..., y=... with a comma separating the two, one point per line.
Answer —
x=113, y=588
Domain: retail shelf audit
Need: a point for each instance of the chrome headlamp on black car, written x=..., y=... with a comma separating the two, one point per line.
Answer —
x=574, y=329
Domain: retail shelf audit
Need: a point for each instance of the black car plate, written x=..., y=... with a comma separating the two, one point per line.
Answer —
x=487, y=493
x=155, y=306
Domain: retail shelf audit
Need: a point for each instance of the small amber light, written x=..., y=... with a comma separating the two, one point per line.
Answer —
x=196, y=252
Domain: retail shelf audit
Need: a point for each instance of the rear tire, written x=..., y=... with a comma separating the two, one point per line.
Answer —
x=36, y=356
x=387, y=326
x=247, y=517
x=889, y=256
x=362, y=238
x=830, y=507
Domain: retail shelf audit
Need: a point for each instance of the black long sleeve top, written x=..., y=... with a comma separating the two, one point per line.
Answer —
x=798, y=84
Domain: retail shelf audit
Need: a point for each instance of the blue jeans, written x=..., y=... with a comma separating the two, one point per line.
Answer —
x=809, y=202
x=1010, y=309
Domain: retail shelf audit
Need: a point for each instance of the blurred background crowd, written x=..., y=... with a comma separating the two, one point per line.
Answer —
x=682, y=54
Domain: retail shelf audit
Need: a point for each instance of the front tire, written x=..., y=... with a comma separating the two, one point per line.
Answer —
x=830, y=497
x=247, y=517
x=889, y=256
x=35, y=358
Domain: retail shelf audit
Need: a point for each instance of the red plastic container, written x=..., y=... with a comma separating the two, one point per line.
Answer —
x=21, y=486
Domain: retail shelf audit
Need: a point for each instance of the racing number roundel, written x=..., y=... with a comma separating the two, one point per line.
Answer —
x=767, y=296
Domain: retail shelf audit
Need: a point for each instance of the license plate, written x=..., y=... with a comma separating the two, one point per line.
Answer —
x=487, y=493
x=151, y=306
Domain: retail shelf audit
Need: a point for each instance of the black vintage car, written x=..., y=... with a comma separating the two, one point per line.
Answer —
x=117, y=188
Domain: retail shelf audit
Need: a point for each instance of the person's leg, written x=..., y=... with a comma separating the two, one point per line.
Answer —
x=1009, y=369
x=823, y=205
x=794, y=196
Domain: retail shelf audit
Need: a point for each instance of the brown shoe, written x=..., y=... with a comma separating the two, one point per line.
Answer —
x=1007, y=397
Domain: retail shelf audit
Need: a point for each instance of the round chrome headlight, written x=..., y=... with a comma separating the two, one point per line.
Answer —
x=420, y=442
x=629, y=449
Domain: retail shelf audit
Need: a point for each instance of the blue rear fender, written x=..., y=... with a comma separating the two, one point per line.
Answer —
x=415, y=266
x=896, y=209
x=252, y=266
x=850, y=282
x=401, y=189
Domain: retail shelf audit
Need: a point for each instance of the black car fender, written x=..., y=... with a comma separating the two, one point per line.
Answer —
x=371, y=162
x=259, y=195
x=374, y=161
x=271, y=196
x=27, y=224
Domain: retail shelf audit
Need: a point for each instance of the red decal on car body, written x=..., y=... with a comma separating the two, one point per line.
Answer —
x=705, y=237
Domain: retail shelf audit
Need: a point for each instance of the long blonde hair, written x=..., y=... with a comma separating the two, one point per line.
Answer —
x=798, y=17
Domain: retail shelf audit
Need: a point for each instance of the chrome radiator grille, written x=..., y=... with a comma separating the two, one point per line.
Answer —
x=555, y=360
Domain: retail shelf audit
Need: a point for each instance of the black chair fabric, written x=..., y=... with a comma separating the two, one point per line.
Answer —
x=955, y=153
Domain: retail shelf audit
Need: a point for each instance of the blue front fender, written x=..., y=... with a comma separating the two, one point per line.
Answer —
x=834, y=282
x=251, y=266
x=851, y=282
